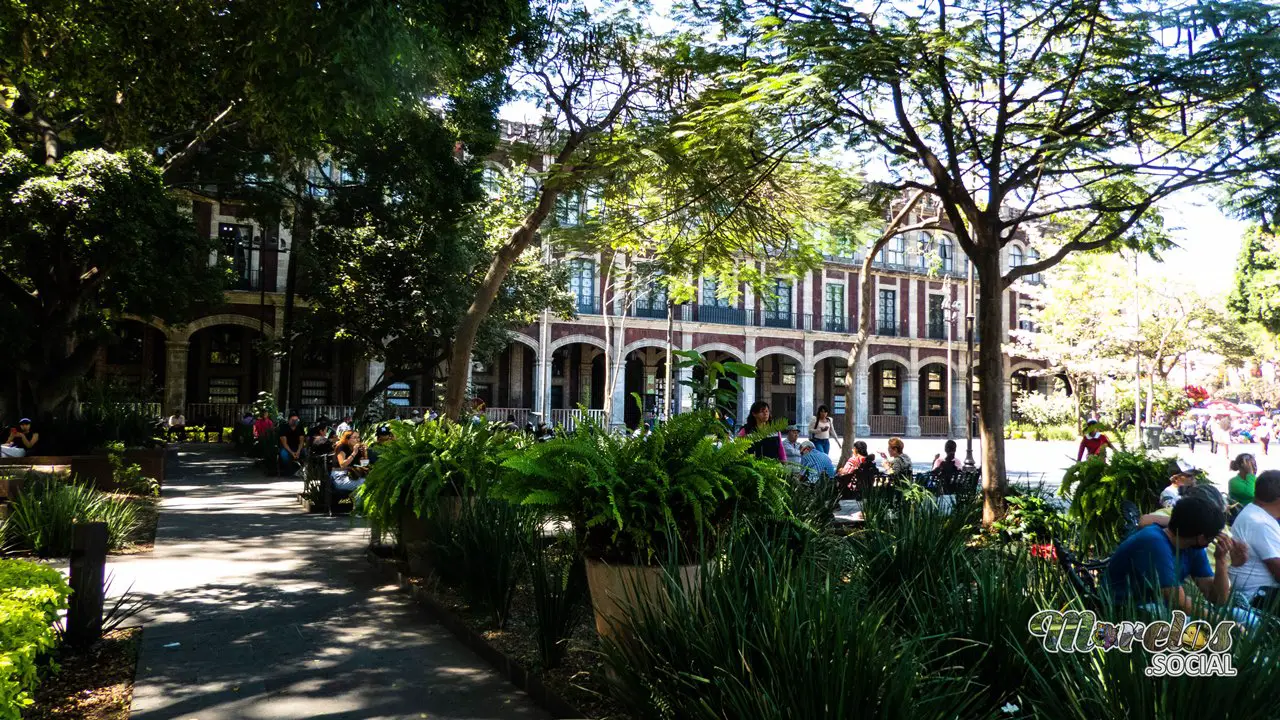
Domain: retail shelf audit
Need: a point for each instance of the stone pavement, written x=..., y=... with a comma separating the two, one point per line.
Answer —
x=263, y=612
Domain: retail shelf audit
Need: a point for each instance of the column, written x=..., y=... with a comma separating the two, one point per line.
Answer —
x=175, y=375
x=584, y=380
x=862, y=379
x=542, y=366
x=618, y=372
x=804, y=397
x=515, y=376
x=911, y=403
x=682, y=395
x=959, y=410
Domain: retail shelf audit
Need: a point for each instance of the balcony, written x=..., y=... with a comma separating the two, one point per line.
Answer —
x=779, y=319
x=835, y=323
x=588, y=306
x=253, y=281
x=937, y=331
x=889, y=330
x=653, y=312
x=722, y=315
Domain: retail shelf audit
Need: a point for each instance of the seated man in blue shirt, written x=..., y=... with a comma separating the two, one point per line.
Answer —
x=1150, y=566
x=816, y=463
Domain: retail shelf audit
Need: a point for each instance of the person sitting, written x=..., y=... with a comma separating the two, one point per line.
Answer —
x=766, y=447
x=382, y=437
x=1184, y=475
x=1093, y=443
x=344, y=425
x=1149, y=567
x=791, y=443
x=22, y=440
x=262, y=425
x=1240, y=486
x=351, y=461
x=292, y=447
x=946, y=468
x=817, y=464
x=896, y=464
x=857, y=457
x=1257, y=580
x=318, y=442
x=178, y=426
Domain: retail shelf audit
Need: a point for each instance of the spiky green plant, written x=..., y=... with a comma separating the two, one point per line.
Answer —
x=43, y=515
x=638, y=499
x=559, y=584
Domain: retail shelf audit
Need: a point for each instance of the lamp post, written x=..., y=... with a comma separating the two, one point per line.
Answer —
x=951, y=312
x=968, y=388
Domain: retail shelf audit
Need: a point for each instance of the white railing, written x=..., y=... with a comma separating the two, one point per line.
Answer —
x=500, y=415
x=569, y=419
x=935, y=426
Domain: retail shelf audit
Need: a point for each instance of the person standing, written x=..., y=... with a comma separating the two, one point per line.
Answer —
x=1263, y=433
x=1093, y=443
x=821, y=429
x=1188, y=429
x=1221, y=430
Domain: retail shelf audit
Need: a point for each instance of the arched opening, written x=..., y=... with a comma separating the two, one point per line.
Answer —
x=829, y=388
x=227, y=367
x=577, y=377
x=726, y=382
x=1020, y=383
x=645, y=376
x=934, y=409
x=776, y=384
x=887, y=379
x=507, y=381
x=323, y=379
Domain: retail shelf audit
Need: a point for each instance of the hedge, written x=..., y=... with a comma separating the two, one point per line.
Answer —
x=31, y=596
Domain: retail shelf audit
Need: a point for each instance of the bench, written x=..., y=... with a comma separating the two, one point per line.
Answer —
x=318, y=493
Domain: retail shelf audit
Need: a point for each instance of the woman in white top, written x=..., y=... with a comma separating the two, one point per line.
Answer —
x=821, y=429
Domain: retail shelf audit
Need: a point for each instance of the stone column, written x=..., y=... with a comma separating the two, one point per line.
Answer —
x=862, y=392
x=175, y=375
x=804, y=398
x=542, y=388
x=619, y=373
x=911, y=403
x=959, y=410
x=515, y=376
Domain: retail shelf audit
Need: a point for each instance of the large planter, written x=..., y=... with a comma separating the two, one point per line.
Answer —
x=617, y=588
x=96, y=470
x=415, y=533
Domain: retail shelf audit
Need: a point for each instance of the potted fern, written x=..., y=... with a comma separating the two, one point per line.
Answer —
x=639, y=503
x=426, y=472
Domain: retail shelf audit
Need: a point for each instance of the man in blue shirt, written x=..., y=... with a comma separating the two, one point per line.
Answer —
x=1151, y=564
x=816, y=463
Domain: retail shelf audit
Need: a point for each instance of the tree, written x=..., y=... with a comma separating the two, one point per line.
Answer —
x=1256, y=295
x=92, y=238
x=1069, y=119
x=401, y=242
x=240, y=97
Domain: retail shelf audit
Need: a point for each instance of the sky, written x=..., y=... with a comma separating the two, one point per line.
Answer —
x=1208, y=241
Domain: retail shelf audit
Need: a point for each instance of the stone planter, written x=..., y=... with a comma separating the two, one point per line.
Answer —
x=95, y=468
x=415, y=533
x=617, y=588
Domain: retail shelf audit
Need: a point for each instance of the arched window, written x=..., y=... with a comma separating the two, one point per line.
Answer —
x=946, y=250
x=1015, y=257
x=1033, y=257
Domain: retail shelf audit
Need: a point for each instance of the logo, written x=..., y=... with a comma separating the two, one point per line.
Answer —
x=1178, y=648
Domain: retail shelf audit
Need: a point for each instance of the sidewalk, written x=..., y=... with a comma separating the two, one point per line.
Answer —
x=264, y=612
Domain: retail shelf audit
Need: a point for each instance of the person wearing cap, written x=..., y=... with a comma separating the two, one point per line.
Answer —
x=791, y=443
x=1183, y=476
x=1093, y=442
x=292, y=447
x=816, y=463
x=382, y=436
x=21, y=440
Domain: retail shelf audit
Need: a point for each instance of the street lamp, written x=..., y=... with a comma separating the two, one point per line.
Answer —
x=951, y=313
x=968, y=388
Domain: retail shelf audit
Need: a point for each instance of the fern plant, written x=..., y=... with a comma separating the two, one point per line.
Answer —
x=647, y=499
x=1099, y=486
x=430, y=460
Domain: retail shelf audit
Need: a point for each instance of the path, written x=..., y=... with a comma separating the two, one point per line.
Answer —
x=264, y=612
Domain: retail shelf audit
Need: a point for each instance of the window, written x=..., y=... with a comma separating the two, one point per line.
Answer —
x=1033, y=257
x=315, y=392
x=710, y=294
x=651, y=300
x=128, y=351
x=1015, y=257
x=569, y=209
x=237, y=244
x=889, y=378
x=937, y=318
x=224, y=346
x=894, y=252
x=838, y=373
x=888, y=312
x=399, y=394
x=319, y=178
x=835, y=307
x=837, y=404
x=1024, y=316
x=777, y=306
x=582, y=283
x=889, y=390
x=946, y=251
x=529, y=190
x=933, y=380
x=926, y=247
x=594, y=202
x=224, y=390
x=317, y=355
x=491, y=181
x=788, y=372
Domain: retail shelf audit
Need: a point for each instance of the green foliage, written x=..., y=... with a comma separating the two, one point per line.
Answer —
x=265, y=402
x=1256, y=295
x=650, y=498
x=1031, y=519
x=44, y=513
x=1169, y=399
x=1020, y=430
x=31, y=597
x=1046, y=409
x=559, y=583
x=93, y=237
x=129, y=478
x=431, y=460
x=489, y=537
x=714, y=384
x=114, y=413
x=1098, y=486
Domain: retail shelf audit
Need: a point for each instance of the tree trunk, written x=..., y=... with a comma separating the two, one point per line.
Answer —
x=302, y=226
x=465, y=339
x=992, y=391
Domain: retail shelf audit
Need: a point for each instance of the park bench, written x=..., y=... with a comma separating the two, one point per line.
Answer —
x=318, y=493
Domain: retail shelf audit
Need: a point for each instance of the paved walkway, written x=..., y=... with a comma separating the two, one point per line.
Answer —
x=264, y=612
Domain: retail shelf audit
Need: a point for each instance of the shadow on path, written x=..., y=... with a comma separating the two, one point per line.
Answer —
x=263, y=611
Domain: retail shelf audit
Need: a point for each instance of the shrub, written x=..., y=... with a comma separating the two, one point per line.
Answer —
x=1098, y=487
x=43, y=514
x=1040, y=409
x=31, y=596
x=129, y=478
x=489, y=535
x=641, y=499
x=1031, y=519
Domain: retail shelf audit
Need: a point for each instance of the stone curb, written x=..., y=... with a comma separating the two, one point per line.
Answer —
x=506, y=666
